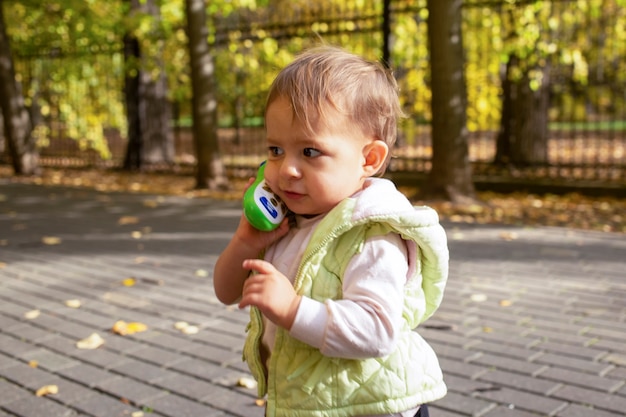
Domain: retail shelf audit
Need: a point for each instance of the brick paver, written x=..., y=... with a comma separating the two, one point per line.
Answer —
x=533, y=321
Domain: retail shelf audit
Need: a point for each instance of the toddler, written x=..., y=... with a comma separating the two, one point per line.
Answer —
x=337, y=291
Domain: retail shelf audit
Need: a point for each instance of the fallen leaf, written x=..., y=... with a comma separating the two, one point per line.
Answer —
x=3, y=264
x=47, y=390
x=137, y=414
x=94, y=341
x=615, y=359
x=73, y=303
x=129, y=282
x=123, y=328
x=246, y=382
x=186, y=328
x=260, y=402
x=128, y=220
x=508, y=236
x=478, y=298
x=136, y=234
x=202, y=273
x=458, y=236
x=33, y=364
x=506, y=303
x=487, y=329
x=51, y=240
x=179, y=325
x=191, y=330
x=32, y=314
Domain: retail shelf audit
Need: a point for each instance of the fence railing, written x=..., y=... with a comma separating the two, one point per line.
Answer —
x=587, y=132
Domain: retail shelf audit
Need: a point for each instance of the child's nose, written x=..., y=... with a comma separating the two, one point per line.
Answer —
x=289, y=168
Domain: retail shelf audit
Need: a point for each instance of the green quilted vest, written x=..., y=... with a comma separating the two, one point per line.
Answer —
x=301, y=382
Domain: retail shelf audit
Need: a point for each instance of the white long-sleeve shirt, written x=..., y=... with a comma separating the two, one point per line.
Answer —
x=365, y=322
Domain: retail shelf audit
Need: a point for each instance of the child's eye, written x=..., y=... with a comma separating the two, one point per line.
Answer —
x=311, y=152
x=275, y=151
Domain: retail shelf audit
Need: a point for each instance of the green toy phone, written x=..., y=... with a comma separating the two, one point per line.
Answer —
x=262, y=208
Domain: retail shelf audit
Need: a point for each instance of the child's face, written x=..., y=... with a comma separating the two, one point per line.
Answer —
x=312, y=173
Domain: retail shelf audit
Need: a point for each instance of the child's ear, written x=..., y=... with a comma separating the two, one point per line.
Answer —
x=375, y=154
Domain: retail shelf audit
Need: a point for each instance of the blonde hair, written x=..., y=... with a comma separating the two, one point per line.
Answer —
x=363, y=91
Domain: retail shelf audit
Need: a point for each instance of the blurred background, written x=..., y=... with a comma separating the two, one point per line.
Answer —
x=537, y=89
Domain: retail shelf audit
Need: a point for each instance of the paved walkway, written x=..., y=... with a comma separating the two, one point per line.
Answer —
x=533, y=322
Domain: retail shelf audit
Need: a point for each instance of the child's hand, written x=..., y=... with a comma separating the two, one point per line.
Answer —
x=271, y=292
x=255, y=239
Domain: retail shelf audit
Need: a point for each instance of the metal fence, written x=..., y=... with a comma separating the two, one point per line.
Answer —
x=587, y=139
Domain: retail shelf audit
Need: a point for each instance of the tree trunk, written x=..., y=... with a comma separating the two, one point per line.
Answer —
x=150, y=136
x=210, y=171
x=450, y=177
x=523, y=135
x=16, y=119
x=2, y=139
x=132, y=160
x=156, y=116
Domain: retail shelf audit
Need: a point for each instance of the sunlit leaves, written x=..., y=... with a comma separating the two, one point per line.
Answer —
x=584, y=38
x=246, y=382
x=47, y=390
x=73, y=303
x=51, y=240
x=124, y=328
x=93, y=341
x=32, y=314
x=186, y=328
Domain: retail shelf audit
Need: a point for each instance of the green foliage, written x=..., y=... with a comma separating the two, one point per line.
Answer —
x=69, y=60
x=69, y=68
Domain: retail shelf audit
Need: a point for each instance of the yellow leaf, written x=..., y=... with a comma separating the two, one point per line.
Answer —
x=506, y=303
x=123, y=328
x=33, y=364
x=94, y=341
x=136, y=234
x=3, y=265
x=201, y=273
x=186, y=328
x=129, y=282
x=246, y=383
x=260, y=402
x=51, y=240
x=487, y=329
x=47, y=390
x=128, y=220
x=73, y=303
x=137, y=414
x=33, y=314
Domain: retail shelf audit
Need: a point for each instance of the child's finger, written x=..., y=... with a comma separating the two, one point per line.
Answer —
x=258, y=265
x=248, y=184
